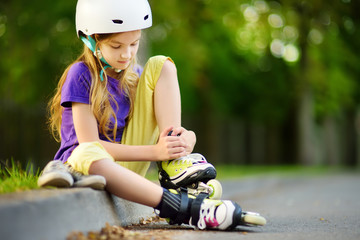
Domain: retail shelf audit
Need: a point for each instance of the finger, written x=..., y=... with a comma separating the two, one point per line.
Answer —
x=176, y=151
x=173, y=139
x=166, y=131
x=177, y=131
x=173, y=142
x=178, y=154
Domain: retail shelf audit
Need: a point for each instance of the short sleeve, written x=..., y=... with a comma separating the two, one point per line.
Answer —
x=77, y=85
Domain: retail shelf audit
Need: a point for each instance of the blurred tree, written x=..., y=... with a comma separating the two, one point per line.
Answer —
x=325, y=87
x=261, y=81
x=36, y=42
x=282, y=64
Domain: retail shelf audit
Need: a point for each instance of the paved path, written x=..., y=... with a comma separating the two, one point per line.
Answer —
x=301, y=207
x=296, y=207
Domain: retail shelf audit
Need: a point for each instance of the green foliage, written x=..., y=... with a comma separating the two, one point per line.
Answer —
x=252, y=58
x=13, y=178
x=36, y=42
x=229, y=53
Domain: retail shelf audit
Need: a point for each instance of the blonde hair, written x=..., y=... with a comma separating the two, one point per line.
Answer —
x=100, y=98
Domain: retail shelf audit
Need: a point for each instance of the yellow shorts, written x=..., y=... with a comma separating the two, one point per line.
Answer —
x=85, y=154
x=142, y=129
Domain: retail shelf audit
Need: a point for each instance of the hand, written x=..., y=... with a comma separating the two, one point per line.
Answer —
x=187, y=136
x=170, y=147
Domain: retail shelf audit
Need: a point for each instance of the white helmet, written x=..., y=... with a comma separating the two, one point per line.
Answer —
x=112, y=16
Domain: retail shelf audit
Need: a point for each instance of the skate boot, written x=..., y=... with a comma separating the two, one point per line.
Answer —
x=192, y=172
x=222, y=215
x=204, y=213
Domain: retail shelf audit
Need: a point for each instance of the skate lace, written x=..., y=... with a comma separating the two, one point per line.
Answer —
x=193, y=158
x=182, y=161
x=197, y=158
x=207, y=216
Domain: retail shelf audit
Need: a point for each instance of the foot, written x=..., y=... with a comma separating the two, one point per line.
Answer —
x=55, y=174
x=185, y=171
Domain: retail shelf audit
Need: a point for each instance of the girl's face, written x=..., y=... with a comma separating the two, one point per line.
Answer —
x=120, y=48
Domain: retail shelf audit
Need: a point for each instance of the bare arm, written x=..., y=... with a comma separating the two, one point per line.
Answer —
x=86, y=128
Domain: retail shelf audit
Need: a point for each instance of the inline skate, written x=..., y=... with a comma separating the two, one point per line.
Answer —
x=208, y=213
x=192, y=172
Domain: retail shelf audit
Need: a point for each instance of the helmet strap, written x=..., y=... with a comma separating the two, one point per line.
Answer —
x=91, y=44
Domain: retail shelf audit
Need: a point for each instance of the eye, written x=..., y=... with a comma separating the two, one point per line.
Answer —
x=115, y=47
x=146, y=17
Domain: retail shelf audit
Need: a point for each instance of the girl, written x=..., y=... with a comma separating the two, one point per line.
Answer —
x=101, y=102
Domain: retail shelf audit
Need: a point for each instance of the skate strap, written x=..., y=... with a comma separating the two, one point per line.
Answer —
x=171, y=131
x=183, y=212
x=195, y=208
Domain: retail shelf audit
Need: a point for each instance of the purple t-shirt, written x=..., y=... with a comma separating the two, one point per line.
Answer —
x=76, y=89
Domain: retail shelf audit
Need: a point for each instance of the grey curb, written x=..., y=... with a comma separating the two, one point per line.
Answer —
x=51, y=214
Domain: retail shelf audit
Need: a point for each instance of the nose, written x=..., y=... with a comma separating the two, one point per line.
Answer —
x=126, y=53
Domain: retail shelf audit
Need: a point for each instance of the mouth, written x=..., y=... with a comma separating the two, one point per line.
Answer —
x=123, y=62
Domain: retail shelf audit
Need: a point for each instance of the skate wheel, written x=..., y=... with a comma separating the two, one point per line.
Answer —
x=253, y=219
x=216, y=189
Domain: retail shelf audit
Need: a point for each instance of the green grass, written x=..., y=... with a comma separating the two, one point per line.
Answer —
x=13, y=178
x=240, y=171
x=226, y=172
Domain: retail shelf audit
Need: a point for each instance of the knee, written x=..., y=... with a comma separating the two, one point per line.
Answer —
x=99, y=166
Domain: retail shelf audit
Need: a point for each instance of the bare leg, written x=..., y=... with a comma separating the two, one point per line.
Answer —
x=167, y=104
x=127, y=184
x=167, y=98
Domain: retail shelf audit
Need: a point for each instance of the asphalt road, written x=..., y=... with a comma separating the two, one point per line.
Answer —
x=296, y=207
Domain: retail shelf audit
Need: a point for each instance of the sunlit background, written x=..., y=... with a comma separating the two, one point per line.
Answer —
x=262, y=82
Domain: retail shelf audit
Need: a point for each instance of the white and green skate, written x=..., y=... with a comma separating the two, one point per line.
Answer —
x=192, y=172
